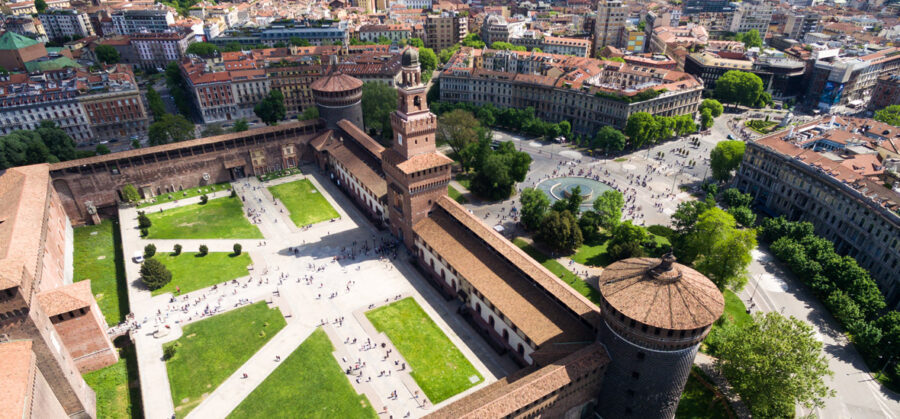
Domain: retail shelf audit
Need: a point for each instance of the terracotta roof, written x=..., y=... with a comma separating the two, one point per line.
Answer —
x=361, y=137
x=336, y=82
x=15, y=377
x=66, y=298
x=319, y=142
x=458, y=237
x=425, y=161
x=506, y=396
x=23, y=200
x=680, y=299
x=350, y=156
x=111, y=157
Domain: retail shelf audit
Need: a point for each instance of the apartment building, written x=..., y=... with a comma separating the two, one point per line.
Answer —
x=692, y=7
x=59, y=23
x=157, y=50
x=827, y=172
x=849, y=80
x=797, y=25
x=155, y=20
x=89, y=106
x=283, y=31
x=372, y=33
x=589, y=93
x=886, y=92
x=26, y=26
x=609, y=24
x=782, y=77
x=444, y=30
x=663, y=39
x=752, y=15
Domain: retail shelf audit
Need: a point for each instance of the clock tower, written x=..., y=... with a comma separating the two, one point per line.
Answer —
x=417, y=174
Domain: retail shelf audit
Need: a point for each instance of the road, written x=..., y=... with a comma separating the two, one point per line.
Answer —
x=858, y=395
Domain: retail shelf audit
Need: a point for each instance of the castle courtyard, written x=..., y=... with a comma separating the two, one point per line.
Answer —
x=326, y=276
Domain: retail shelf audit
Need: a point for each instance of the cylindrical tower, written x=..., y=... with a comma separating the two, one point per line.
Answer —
x=656, y=313
x=339, y=96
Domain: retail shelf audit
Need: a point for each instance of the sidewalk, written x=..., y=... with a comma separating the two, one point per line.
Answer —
x=707, y=365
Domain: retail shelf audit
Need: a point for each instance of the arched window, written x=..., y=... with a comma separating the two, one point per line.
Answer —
x=478, y=308
x=521, y=349
x=491, y=320
x=506, y=335
x=417, y=101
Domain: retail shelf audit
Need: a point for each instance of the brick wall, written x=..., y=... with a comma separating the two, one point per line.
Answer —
x=84, y=334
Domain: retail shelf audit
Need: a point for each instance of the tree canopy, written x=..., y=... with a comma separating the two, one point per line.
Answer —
x=535, y=205
x=155, y=103
x=203, y=49
x=271, y=109
x=739, y=88
x=40, y=5
x=378, y=101
x=429, y=61
x=713, y=105
x=169, y=129
x=107, y=54
x=725, y=158
x=608, y=138
x=750, y=38
x=458, y=128
x=718, y=249
x=154, y=274
x=889, y=115
x=473, y=40
x=773, y=362
x=46, y=144
x=240, y=125
x=608, y=207
x=559, y=231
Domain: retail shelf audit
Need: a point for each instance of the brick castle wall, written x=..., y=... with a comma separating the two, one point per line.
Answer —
x=84, y=334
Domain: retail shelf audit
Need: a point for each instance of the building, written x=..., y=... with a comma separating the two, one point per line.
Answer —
x=782, y=77
x=752, y=15
x=663, y=39
x=589, y=93
x=444, y=30
x=609, y=24
x=157, y=50
x=26, y=26
x=495, y=28
x=90, y=107
x=886, y=92
x=17, y=50
x=796, y=25
x=338, y=97
x=849, y=80
x=566, y=46
x=827, y=172
x=53, y=327
x=634, y=40
x=374, y=33
x=692, y=7
x=60, y=23
x=154, y=20
x=283, y=31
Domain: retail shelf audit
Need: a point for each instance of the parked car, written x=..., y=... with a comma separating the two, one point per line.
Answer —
x=138, y=257
x=730, y=137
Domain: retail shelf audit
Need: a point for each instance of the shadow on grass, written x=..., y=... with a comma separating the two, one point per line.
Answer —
x=127, y=351
x=121, y=281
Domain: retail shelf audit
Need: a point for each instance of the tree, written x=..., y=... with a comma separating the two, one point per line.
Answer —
x=378, y=101
x=155, y=103
x=204, y=199
x=149, y=250
x=130, y=194
x=739, y=87
x=493, y=180
x=457, y=128
x=734, y=198
x=299, y=42
x=750, y=38
x=743, y=215
x=102, y=149
x=706, y=119
x=889, y=115
x=627, y=240
x=560, y=232
x=713, y=105
x=507, y=46
x=211, y=130
x=240, y=125
x=641, y=128
x=534, y=207
x=203, y=49
x=565, y=128
x=135, y=144
x=774, y=363
x=589, y=223
x=169, y=129
x=203, y=250
x=177, y=249
x=429, y=61
x=169, y=351
x=40, y=5
x=309, y=114
x=237, y=249
x=725, y=158
x=418, y=43
x=107, y=54
x=608, y=207
x=609, y=138
x=473, y=40
x=718, y=249
x=154, y=274
x=271, y=109
x=144, y=221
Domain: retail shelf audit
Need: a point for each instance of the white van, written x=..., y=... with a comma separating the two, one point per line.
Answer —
x=138, y=257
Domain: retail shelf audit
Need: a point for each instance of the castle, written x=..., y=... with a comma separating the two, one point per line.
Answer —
x=628, y=357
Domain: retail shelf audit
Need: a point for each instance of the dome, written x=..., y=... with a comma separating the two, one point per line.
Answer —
x=661, y=293
x=410, y=57
x=336, y=82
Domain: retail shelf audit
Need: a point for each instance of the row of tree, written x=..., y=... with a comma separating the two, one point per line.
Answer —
x=563, y=227
x=845, y=287
x=46, y=144
x=510, y=119
x=646, y=129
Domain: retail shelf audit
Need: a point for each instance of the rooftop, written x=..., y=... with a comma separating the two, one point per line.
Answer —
x=15, y=377
x=336, y=82
x=11, y=40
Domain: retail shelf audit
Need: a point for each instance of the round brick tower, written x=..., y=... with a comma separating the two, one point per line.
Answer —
x=656, y=313
x=339, y=96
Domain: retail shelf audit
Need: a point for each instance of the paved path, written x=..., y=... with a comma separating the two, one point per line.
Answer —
x=707, y=364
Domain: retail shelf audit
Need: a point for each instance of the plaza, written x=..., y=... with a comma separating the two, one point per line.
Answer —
x=323, y=276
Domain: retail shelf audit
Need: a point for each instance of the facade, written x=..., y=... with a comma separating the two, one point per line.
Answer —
x=282, y=32
x=828, y=173
x=396, y=33
x=157, y=50
x=634, y=40
x=444, y=30
x=566, y=46
x=664, y=39
x=796, y=26
x=338, y=97
x=782, y=77
x=588, y=93
x=26, y=26
x=692, y=7
x=849, y=80
x=886, y=92
x=495, y=28
x=40, y=305
x=609, y=24
x=59, y=23
x=154, y=20
x=752, y=15
x=90, y=107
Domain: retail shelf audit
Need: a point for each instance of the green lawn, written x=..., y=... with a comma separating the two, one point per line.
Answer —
x=761, y=126
x=438, y=367
x=107, y=275
x=220, y=218
x=464, y=180
x=213, y=349
x=186, y=193
x=735, y=310
x=456, y=195
x=278, y=174
x=595, y=253
x=560, y=271
x=698, y=402
x=192, y=272
x=305, y=203
x=621, y=159
x=117, y=387
x=311, y=382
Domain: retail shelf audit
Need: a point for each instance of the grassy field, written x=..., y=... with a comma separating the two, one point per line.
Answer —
x=278, y=174
x=621, y=159
x=184, y=194
x=311, y=382
x=560, y=271
x=761, y=126
x=192, y=272
x=213, y=349
x=735, y=310
x=438, y=367
x=117, y=387
x=221, y=218
x=464, y=180
x=305, y=203
x=595, y=253
x=699, y=402
x=98, y=257
x=456, y=195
